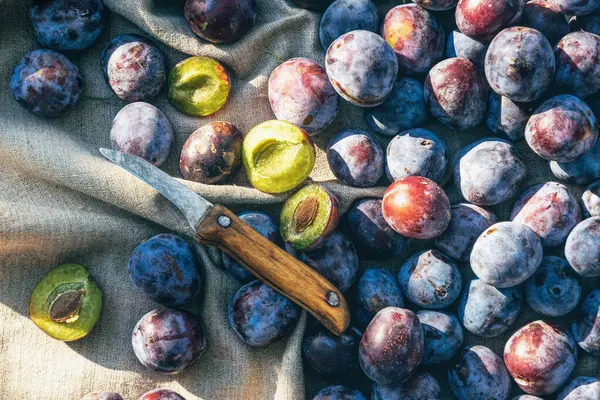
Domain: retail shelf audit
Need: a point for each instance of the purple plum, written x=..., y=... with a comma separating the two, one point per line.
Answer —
x=420, y=386
x=102, y=396
x=578, y=64
x=220, y=21
x=344, y=16
x=484, y=19
x=581, y=388
x=575, y=7
x=460, y=45
x=443, y=336
x=339, y=392
x=583, y=170
x=539, y=15
x=161, y=394
x=586, y=327
x=376, y=290
x=507, y=118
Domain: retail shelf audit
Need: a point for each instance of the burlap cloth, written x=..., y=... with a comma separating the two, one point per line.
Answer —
x=60, y=201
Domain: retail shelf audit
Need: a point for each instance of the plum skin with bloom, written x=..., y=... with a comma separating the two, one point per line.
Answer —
x=376, y=289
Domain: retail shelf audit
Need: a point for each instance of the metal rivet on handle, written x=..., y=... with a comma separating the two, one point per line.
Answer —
x=332, y=299
x=224, y=221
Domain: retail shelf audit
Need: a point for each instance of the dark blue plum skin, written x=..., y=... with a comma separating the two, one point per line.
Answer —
x=591, y=200
x=554, y=289
x=335, y=259
x=102, y=396
x=260, y=316
x=575, y=7
x=507, y=118
x=581, y=387
x=261, y=223
x=330, y=355
x=46, y=84
x=376, y=290
x=403, y=109
x=344, y=16
x=467, y=222
x=168, y=340
x=519, y=64
x=372, y=236
x=134, y=67
x=161, y=394
x=479, y=374
x=526, y=397
x=583, y=170
x=166, y=269
x=460, y=45
x=392, y=346
x=67, y=25
x=443, y=336
x=220, y=21
x=430, y=279
x=339, y=393
x=487, y=311
x=313, y=5
x=586, y=327
x=589, y=23
x=578, y=64
x=421, y=386
x=582, y=248
x=539, y=15
x=416, y=152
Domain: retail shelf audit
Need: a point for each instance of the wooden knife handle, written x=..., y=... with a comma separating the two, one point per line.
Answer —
x=275, y=267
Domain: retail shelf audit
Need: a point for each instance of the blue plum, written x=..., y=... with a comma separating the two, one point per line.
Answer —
x=575, y=7
x=46, y=84
x=161, y=394
x=539, y=15
x=583, y=170
x=344, y=16
x=507, y=118
x=166, y=269
x=102, y=396
x=460, y=45
x=443, y=336
x=582, y=249
x=430, y=279
x=589, y=23
x=578, y=64
x=168, y=341
x=526, y=397
x=339, y=393
x=581, y=387
x=586, y=326
x=260, y=316
x=420, y=386
x=376, y=290
x=591, y=200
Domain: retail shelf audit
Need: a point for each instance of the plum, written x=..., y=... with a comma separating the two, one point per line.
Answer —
x=168, y=340
x=437, y=5
x=300, y=93
x=416, y=152
x=339, y=392
x=403, y=109
x=161, y=394
x=420, y=386
x=582, y=387
x=483, y=19
x=507, y=118
x=583, y=170
x=479, y=374
x=550, y=210
x=456, y=94
x=591, y=200
x=416, y=207
x=575, y=7
x=198, y=86
x=487, y=311
x=356, y=158
x=211, y=153
x=330, y=355
x=460, y=45
x=335, y=259
x=261, y=223
x=416, y=37
x=344, y=16
x=539, y=15
x=277, y=156
x=102, y=396
x=392, y=346
x=362, y=68
x=166, y=269
x=467, y=222
x=430, y=279
x=66, y=303
x=506, y=254
x=372, y=236
x=488, y=172
x=46, y=84
x=142, y=130
x=443, y=336
x=578, y=64
x=260, y=316
x=313, y=5
x=134, y=67
x=589, y=23
x=586, y=327
x=376, y=290
x=309, y=216
x=554, y=289
x=67, y=24
x=220, y=21
x=526, y=397
x=540, y=357
x=582, y=249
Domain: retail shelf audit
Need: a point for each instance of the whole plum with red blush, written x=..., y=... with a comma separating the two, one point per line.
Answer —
x=416, y=207
x=586, y=327
x=460, y=45
x=356, y=158
x=575, y=7
x=483, y=19
x=591, y=200
x=313, y=5
x=467, y=222
x=443, y=336
x=420, y=386
x=582, y=249
x=562, y=129
x=376, y=290
x=519, y=64
x=539, y=15
x=300, y=93
x=456, y=94
x=583, y=170
x=550, y=210
x=345, y=16
x=582, y=387
x=102, y=396
x=540, y=357
x=220, y=21
x=506, y=117
x=161, y=394
x=416, y=37
x=578, y=64
x=479, y=374
x=339, y=393
x=488, y=172
x=392, y=346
